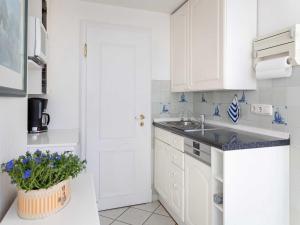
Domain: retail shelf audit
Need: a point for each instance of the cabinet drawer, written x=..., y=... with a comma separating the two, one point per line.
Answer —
x=177, y=142
x=174, y=140
x=162, y=135
x=177, y=158
x=176, y=177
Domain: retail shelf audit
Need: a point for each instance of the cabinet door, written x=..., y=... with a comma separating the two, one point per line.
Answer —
x=197, y=192
x=179, y=49
x=177, y=191
x=205, y=51
x=161, y=170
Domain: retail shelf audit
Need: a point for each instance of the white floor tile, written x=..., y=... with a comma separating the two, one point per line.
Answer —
x=105, y=221
x=134, y=216
x=113, y=213
x=150, y=207
x=159, y=220
x=161, y=210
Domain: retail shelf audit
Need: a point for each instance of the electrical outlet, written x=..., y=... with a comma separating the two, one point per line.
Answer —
x=262, y=109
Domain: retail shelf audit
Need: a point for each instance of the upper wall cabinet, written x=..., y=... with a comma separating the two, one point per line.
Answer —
x=212, y=45
x=179, y=55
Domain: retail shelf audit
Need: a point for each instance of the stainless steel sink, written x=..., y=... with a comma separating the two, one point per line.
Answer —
x=190, y=126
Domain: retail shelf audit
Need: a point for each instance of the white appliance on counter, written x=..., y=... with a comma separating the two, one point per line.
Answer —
x=37, y=41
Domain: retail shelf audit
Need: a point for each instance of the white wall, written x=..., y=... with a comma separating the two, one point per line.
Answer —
x=64, y=50
x=13, y=139
x=276, y=15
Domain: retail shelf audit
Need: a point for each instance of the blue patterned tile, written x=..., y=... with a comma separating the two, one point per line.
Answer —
x=203, y=99
x=217, y=111
x=278, y=117
x=164, y=108
x=243, y=98
x=183, y=98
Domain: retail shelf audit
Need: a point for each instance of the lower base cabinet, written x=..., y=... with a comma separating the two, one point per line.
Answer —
x=197, y=192
x=161, y=173
x=169, y=178
x=177, y=191
x=186, y=185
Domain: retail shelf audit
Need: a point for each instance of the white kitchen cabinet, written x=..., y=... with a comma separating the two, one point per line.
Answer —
x=205, y=24
x=169, y=172
x=169, y=178
x=215, y=53
x=197, y=197
x=180, y=53
x=177, y=191
x=161, y=182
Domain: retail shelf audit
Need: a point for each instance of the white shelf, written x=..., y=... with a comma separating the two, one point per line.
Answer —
x=219, y=206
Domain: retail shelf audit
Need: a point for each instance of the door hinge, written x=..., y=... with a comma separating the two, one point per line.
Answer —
x=85, y=50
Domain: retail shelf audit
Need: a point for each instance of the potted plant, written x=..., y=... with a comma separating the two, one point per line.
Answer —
x=43, y=181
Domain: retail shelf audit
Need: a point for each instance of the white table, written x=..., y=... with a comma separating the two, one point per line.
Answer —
x=81, y=210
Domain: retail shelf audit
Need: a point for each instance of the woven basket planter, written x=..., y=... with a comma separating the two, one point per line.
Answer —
x=42, y=203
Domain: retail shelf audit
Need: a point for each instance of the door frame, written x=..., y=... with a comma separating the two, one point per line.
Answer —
x=83, y=87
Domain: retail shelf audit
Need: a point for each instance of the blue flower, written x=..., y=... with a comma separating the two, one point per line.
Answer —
x=38, y=152
x=58, y=157
x=25, y=161
x=38, y=160
x=26, y=174
x=9, y=166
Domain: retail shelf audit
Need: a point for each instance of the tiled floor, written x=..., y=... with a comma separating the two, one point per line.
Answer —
x=146, y=214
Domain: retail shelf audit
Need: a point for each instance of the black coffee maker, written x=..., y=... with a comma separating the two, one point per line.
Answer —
x=38, y=119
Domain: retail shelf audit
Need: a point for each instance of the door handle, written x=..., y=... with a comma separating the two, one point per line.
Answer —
x=140, y=117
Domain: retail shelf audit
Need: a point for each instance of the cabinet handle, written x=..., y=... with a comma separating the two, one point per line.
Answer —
x=172, y=174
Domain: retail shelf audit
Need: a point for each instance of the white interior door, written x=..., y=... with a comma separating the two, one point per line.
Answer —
x=118, y=139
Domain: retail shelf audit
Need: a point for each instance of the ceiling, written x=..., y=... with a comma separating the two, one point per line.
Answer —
x=165, y=6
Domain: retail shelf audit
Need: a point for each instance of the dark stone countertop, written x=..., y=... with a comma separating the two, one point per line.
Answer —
x=228, y=139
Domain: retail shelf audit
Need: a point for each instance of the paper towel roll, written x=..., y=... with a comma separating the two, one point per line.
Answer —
x=274, y=68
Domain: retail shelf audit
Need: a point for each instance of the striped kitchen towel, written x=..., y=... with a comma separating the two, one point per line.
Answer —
x=234, y=110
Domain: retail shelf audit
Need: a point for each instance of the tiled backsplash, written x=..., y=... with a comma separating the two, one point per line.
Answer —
x=282, y=94
x=215, y=105
x=167, y=104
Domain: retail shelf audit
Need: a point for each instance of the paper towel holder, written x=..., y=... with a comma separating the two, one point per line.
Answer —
x=282, y=43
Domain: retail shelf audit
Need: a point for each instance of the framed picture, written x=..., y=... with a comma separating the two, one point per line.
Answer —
x=13, y=47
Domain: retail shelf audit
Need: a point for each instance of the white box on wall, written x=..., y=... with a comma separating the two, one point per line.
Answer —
x=34, y=80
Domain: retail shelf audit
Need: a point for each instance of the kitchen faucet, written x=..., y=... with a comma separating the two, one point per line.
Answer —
x=202, y=119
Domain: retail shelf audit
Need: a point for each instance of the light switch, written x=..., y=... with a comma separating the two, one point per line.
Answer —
x=262, y=109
